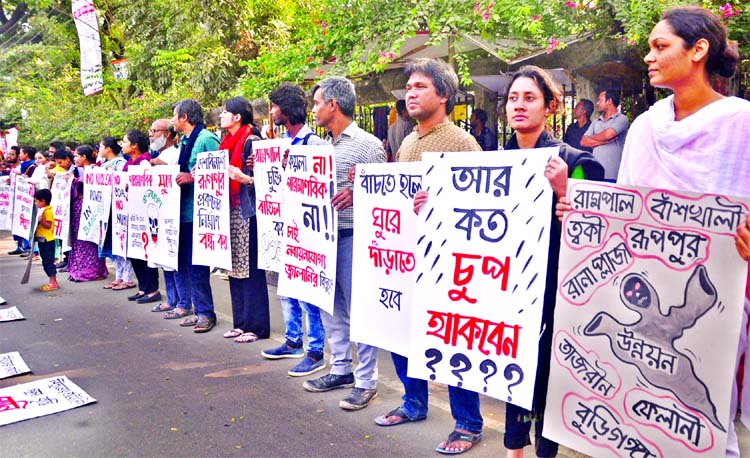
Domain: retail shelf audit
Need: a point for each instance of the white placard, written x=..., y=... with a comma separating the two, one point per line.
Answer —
x=6, y=204
x=482, y=251
x=269, y=176
x=311, y=224
x=12, y=364
x=61, y=189
x=120, y=213
x=23, y=207
x=211, y=234
x=97, y=200
x=649, y=308
x=11, y=314
x=384, y=242
x=40, y=398
x=162, y=204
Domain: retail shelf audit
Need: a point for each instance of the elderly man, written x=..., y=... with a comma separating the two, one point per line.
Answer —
x=333, y=107
x=163, y=143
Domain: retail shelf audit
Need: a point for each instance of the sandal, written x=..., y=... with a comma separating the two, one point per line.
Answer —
x=124, y=285
x=163, y=307
x=49, y=287
x=457, y=436
x=176, y=313
x=232, y=333
x=112, y=284
x=189, y=321
x=205, y=324
x=399, y=415
x=246, y=337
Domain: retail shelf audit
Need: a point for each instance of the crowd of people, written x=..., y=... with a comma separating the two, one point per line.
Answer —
x=694, y=140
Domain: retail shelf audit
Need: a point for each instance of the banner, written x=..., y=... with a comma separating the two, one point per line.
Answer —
x=268, y=175
x=23, y=207
x=211, y=236
x=140, y=182
x=384, y=243
x=39, y=398
x=482, y=247
x=97, y=200
x=648, y=315
x=162, y=203
x=120, y=213
x=6, y=204
x=11, y=314
x=84, y=16
x=61, y=189
x=311, y=225
x=12, y=364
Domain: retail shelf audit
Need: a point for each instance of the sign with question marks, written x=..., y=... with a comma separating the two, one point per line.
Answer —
x=97, y=200
x=311, y=225
x=649, y=308
x=482, y=246
x=384, y=242
x=269, y=201
x=211, y=233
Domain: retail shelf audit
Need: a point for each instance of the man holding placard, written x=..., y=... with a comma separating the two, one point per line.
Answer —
x=333, y=107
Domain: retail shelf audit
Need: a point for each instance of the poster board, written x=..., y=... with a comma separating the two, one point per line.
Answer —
x=269, y=174
x=120, y=213
x=61, y=190
x=211, y=234
x=649, y=307
x=40, y=398
x=384, y=245
x=482, y=248
x=97, y=200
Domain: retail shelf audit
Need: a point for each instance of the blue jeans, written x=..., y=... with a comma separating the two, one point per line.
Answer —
x=170, y=284
x=292, y=311
x=193, y=281
x=21, y=243
x=464, y=403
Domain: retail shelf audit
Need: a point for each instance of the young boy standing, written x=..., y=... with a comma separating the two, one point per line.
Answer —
x=45, y=237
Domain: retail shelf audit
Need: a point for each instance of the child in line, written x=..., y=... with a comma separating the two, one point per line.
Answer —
x=45, y=237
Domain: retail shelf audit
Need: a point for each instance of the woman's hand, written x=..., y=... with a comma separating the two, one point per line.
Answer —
x=236, y=174
x=419, y=199
x=562, y=207
x=556, y=173
x=742, y=239
x=250, y=162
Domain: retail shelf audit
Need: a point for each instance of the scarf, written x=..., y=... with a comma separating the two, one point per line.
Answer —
x=187, y=149
x=235, y=143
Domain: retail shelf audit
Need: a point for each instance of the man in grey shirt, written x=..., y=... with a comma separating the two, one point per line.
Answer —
x=607, y=134
x=399, y=130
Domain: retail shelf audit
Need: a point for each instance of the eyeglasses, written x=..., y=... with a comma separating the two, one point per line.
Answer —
x=153, y=131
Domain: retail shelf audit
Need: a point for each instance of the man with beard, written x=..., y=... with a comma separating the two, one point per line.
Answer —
x=163, y=143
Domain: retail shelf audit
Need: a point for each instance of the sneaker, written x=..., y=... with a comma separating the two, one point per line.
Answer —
x=358, y=399
x=26, y=254
x=15, y=252
x=307, y=366
x=329, y=382
x=61, y=265
x=285, y=350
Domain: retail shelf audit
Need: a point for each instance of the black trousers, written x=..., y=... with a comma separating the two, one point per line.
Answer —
x=148, y=277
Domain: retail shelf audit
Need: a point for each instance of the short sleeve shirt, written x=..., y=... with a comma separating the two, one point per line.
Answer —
x=610, y=154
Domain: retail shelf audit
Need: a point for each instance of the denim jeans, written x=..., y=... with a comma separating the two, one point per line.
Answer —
x=193, y=281
x=464, y=404
x=21, y=243
x=170, y=284
x=291, y=309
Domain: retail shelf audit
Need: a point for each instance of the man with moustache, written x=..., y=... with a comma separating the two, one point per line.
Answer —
x=163, y=143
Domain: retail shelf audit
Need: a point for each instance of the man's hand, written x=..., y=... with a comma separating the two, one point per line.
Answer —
x=343, y=199
x=742, y=240
x=184, y=178
x=419, y=199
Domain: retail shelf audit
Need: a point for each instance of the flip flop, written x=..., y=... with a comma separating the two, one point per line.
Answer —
x=456, y=436
x=123, y=285
x=48, y=287
x=246, y=337
x=112, y=284
x=232, y=333
x=399, y=413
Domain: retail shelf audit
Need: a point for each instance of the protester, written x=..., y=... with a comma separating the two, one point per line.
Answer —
x=111, y=158
x=13, y=165
x=486, y=138
x=84, y=263
x=289, y=109
x=26, y=158
x=532, y=97
x=333, y=108
x=135, y=144
x=193, y=281
x=45, y=238
x=63, y=161
x=398, y=130
x=247, y=284
x=39, y=177
x=163, y=143
x=430, y=97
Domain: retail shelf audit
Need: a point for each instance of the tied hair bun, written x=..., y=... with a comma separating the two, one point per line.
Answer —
x=728, y=60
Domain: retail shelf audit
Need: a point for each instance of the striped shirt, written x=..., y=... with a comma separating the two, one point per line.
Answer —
x=443, y=137
x=353, y=146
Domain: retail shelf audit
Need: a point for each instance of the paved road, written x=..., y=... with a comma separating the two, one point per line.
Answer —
x=162, y=390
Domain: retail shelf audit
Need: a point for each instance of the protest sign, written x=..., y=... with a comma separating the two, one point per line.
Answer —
x=140, y=182
x=311, y=225
x=97, y=199
x=23, y=207
x=61, y=189
x=649, y=307
x=162, y=204
x=384, y=244
x=211, y=235
x=6, y=204
x=12, y=364
x=39, y=398
x=482, y=249
x=268, y=175
x=120, y=213
x=11, y=314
